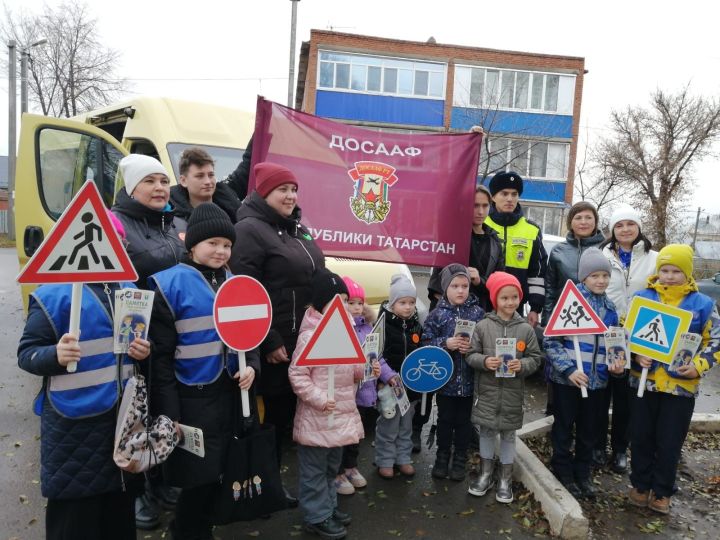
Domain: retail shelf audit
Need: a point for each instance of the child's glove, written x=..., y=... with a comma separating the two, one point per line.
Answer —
x=386, y=402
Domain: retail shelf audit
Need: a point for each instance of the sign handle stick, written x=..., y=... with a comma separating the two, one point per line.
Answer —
x=643, y=379
x=423, y=403
x=331, y=393
x=578, y=362
x=75, y=307
x=244, y=395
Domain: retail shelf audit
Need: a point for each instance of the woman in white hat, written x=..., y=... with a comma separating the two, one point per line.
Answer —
x=632, y=261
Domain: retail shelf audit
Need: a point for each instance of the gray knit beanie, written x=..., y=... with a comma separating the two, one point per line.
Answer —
x=592, y=260
x=450, y=272
x=400, y=287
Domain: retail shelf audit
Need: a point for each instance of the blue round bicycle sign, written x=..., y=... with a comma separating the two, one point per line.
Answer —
x=426, y=369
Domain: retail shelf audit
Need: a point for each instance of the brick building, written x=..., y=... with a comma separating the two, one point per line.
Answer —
x=527, y=103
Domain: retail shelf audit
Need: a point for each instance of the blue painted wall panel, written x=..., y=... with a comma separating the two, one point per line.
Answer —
x=510, y=122
x=541, y=190
x=374, y=108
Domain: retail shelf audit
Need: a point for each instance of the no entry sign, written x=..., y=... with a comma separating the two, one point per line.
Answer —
x=242, y=313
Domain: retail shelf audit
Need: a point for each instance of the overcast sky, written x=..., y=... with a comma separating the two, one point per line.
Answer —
x=229, y=51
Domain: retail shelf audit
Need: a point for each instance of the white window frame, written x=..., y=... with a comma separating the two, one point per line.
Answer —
x=531, y=144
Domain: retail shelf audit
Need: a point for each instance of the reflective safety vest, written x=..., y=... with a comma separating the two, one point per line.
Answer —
x=200, y=355
x=517, y=241
x=95, y=387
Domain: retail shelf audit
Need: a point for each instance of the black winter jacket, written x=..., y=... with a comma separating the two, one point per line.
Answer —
x=402, y=336
x=212, y=407
x=153, y=243
x=75, y=454
x=224, y=197
x=281, y=254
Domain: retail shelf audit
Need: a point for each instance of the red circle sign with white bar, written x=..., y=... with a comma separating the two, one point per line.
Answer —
x=242, y=313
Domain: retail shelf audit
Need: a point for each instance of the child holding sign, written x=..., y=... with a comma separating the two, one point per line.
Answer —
x=570, y=408
x=320, y=442
x=498, y=401
x=661, y=418
x=455, y=398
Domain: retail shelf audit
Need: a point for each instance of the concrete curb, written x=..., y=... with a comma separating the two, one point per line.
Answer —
x=705, y=422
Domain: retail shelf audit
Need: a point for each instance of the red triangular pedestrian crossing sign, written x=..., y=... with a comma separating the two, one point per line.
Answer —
x=573, y=315
x=334, y=341
x=82, y=247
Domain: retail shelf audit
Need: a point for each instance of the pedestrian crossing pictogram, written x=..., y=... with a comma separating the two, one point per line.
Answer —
x=654, y=332
x=655, y=328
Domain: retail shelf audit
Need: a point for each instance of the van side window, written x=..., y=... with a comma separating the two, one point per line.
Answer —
x=66, y=160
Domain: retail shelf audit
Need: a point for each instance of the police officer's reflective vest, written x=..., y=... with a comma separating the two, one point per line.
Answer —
x=200, y=355
x=517, y=240
x=95, y=387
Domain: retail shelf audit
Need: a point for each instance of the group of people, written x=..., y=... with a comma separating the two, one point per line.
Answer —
x=187, y=240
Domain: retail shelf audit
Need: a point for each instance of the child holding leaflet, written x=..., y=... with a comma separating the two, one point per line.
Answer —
x=661, y=418
x=498, y=401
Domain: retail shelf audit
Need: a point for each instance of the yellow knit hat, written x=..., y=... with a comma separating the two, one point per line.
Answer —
x=680, y=255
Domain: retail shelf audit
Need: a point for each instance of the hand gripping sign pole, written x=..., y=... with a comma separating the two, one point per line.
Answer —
x=573, y=316
x=426, y=369
x=242, y=313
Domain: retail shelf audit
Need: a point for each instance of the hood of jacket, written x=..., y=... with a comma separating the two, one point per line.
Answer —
x=672, y=294
x=506, y=219
x=256, y=207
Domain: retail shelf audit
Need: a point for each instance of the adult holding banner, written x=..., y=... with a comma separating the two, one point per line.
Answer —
x=661, y=417
x=274, y=248
x=632, y=262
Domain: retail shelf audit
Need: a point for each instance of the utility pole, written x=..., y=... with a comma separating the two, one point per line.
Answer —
x=291, y=74
x=697, y=222
x=12, y=135
x=24, y=60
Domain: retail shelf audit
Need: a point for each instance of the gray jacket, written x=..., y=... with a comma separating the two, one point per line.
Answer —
x=498, y=402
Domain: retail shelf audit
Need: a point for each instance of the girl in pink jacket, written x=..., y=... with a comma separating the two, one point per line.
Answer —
x=320, y=443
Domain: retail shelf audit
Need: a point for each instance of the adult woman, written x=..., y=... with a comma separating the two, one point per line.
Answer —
x=274, y=248
x=153, y=245
x=632, y=261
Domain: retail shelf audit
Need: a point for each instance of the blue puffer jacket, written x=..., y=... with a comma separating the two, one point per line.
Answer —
x=438, y=327
x=561, y=350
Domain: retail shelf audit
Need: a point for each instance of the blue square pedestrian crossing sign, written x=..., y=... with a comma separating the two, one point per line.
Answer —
x=655, y=328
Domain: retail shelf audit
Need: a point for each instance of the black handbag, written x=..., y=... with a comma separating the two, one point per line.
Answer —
x=250, y=485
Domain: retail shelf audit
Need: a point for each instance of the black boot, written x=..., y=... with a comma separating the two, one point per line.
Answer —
x=619, y=462
x=457, y=473
x=599, y=459
x=415, y=437
x=147, y=514
x=442, y=463
x=572, y=487
x=330, y=529
x=586, y=488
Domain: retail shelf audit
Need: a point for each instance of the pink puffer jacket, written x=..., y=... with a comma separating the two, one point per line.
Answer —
x=310, y=385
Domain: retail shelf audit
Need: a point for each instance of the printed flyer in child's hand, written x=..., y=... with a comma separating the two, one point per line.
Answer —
x=371, y=350
x=616, y=347
x=687, y=347
x=133, y=308
x=401, y=397
x=464, y=328
x=505, y=351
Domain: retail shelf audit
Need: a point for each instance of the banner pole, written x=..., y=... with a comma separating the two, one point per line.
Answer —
x=578, y=363
x=643, y=379
x=75, y=307
x=331, y=393
x=244, y=395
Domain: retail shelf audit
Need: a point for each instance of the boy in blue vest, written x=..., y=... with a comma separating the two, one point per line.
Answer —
x=88, y=496
x=661, y=418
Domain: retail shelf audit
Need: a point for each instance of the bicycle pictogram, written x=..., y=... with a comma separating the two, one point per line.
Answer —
x=428, y=367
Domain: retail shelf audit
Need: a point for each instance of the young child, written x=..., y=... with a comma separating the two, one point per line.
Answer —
x=88, y=496
x=194, y=378
x=661, y=418
x=570, y=408
x=455, y=399
x=498, y=401
x=349, y=477
x=393, y=435
x=320, y=444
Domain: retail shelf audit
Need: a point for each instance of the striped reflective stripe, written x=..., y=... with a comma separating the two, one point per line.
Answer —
x=195, y=324
x=84, y=379
x=536, y=290
x=200, y=350
x=93, y=347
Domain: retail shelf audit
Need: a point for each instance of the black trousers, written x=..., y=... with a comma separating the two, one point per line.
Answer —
x=660, y=423
x=419, y=420
x=110, y=516
x=193, y=513
x=617, y=392
x=280, y=411
x=454, y=427
x=350, y=454
x=572, y=411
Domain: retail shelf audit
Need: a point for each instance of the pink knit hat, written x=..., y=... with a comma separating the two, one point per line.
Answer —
x=354, y=289
x=497, y=281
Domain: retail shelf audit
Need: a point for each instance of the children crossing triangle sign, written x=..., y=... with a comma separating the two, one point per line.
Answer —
x=655, y=328
x=573, y=315
x=82, y=247
x=334, y=341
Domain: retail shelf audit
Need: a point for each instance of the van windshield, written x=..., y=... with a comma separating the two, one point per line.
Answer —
x=226, y=159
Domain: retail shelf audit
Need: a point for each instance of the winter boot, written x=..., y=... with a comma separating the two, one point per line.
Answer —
x=459, y=463
x=486, y=479
x=442, y=463
x=504, y=492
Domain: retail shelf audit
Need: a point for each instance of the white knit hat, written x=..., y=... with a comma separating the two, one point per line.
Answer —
x=135, y=167
x=625, y=212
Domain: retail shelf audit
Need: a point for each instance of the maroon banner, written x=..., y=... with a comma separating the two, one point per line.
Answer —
x=366, y=194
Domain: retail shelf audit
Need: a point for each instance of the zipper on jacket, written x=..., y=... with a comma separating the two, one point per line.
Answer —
x=404, y=339
x=312, y=261
x=294, y=316
x=162, y=233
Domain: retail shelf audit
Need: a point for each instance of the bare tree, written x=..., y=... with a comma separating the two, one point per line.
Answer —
x=73, y=72
x=652, y=150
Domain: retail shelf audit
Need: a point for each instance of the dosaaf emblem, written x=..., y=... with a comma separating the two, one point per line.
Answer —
x=370, y=202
